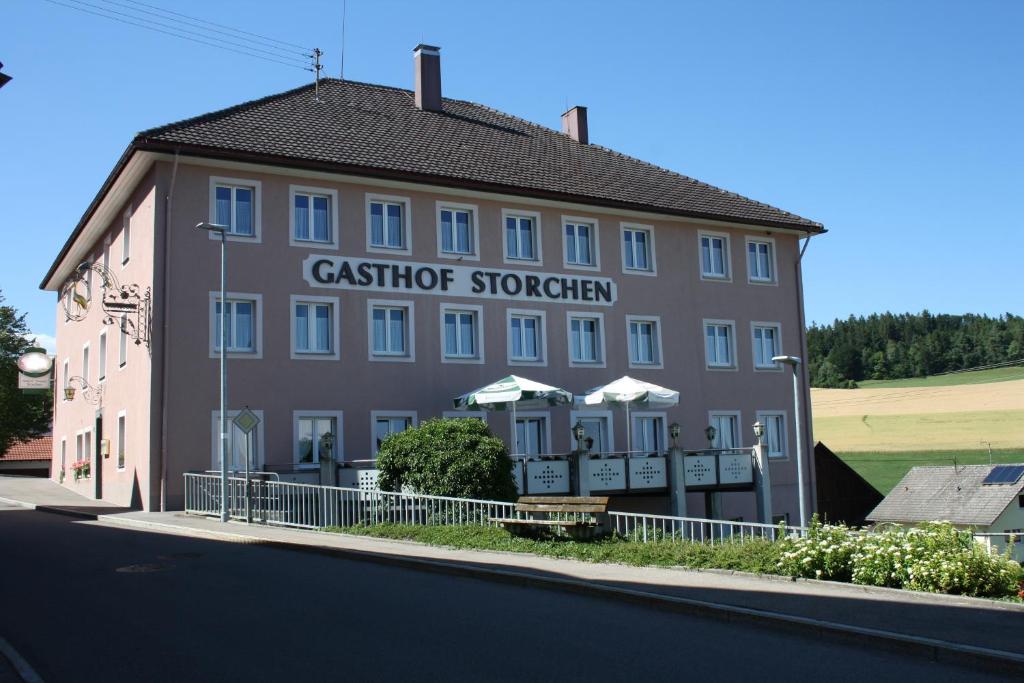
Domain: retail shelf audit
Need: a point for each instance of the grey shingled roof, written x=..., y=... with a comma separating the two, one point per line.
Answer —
x=942, y=493
x=373, y=127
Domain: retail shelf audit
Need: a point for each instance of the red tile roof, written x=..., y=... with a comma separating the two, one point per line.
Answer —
x=36, y=449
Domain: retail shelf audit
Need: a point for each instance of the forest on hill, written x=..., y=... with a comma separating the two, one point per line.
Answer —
x=895, y=346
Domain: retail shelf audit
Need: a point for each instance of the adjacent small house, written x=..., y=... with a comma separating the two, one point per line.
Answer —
x=986, y=498
x=28, y=458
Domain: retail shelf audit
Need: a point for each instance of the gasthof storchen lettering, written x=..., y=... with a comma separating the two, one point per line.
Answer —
x=388, y=250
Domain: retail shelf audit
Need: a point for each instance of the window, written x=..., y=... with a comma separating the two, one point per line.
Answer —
x=1020, y=499
x=79, y=447
x=644, y=341
x=314, y=215
x=102, y=365
x=457, y=231
x=648, y=435
x=63, y=453
x=121, y=435
x=726, y=430
x=531, y=435
x=106, y=252
x=315, y=327
x=460, y=334
x=242, y=330
x=387, y=423
x=236, y=204
x=317, y=437
x=126, y=236
x=586, y=339
x=781, y=519
x=597, y=430
x=122, y=347
x=714, y=256
x=718, y=338
x=761, y=260
x=527, y=342
x=522, y=241
x=388, y=224
x=774, y=432
x=240, y=445
x=766, y=346
x=85, y=363
x=638, y=249
x=580, y=243
x=391, y=336
x=67, y=375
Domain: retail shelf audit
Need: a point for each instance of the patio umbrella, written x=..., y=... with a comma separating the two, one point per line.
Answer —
x=628, y=391
x=512, y=391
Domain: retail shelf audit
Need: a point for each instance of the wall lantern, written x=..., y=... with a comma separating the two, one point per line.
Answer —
x=69, y=393
x=578, y=432
x=758, y=430
x=674, y=430
x=710, y=433
x=327, y=445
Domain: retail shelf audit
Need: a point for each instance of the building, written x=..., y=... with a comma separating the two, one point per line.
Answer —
x=988, y=499
x=28, y=458
x=390, y=249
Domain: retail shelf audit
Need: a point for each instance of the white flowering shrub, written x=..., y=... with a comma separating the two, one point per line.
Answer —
x=824, y=553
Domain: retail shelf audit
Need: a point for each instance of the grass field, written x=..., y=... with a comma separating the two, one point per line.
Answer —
x=883, y=470
x=977, y=377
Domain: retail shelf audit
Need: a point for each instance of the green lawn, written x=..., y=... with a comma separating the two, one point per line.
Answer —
x=975, y=377
x=883, y=470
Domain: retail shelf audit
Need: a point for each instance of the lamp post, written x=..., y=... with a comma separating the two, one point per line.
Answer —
x=222, y=443
x=794, y=362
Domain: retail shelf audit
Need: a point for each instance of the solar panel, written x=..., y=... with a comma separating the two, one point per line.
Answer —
x=1004, y=474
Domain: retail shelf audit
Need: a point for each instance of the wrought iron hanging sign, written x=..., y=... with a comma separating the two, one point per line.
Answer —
x=127, y=306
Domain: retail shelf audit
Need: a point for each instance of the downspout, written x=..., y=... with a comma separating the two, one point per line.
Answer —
x=168, y=202
x=812, y=480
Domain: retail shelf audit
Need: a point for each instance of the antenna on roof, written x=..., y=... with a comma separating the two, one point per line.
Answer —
x=317, y=66
x=344, y=7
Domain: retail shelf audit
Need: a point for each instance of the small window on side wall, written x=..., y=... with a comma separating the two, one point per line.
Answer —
x=387, y=224
x=314, y=214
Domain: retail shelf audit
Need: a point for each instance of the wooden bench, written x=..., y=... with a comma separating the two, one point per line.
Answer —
x=539, y=509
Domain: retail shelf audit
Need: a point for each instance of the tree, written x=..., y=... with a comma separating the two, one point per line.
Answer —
x=449, y=457
x=22, y=416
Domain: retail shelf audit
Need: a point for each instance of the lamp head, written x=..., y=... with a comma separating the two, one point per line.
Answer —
x=578, y=432
x=710, y=432
x=758, y=429
x=211, y=227
x=787, y=360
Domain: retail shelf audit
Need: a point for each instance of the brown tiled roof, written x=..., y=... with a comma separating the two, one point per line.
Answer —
x=378, y=128
x=36, y=449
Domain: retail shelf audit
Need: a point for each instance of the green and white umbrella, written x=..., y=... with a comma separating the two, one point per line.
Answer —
x=631, y=392
x=510, y=393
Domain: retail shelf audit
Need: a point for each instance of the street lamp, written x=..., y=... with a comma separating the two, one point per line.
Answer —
x=710, y=433
x=222, y=443
x=794, y=363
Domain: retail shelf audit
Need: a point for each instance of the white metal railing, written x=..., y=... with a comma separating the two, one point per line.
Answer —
x=648, y=528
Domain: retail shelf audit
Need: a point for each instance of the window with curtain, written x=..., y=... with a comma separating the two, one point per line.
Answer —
x=85, y=363
x=718, y=337
x=102, y=361
x=460, y=334
x=520, y=238
x=390, y=330
x=312, y=217
x=585, y=340
x=240, y=334
x=726, y=431
x=391, y=424
x=647, y=434
x=317, y=439
x=126, y=239
x=530, y=435
x=314, y=327
x=596, y=429
x=121, y=435
x=122, y=349
x=643, y=342
x=714, y=256
x=457, y=231
x=525, y=333
x=766, y=346
x=387, y=225
x=636, y=249
x=774, y=433
x=760, y=267
x=234, y=206
x=579, y=249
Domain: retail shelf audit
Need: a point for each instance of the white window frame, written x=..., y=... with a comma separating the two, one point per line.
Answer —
x=538, y=241
x=544, y=415
x=542, y=337
x=122, y=342
x=63, y=453
x=651, y=258
x=66, y=376
x=257, y=333
x=335, y=305
x=106, y=251
x=310, y=191
x=86, y=360
x=609, y=421
x=258, y=457
x=602, y=342
x=636, y=415
x=738, y=434
x=474, y=230
x=478, y=331
x=410, y=331
x=388, y=414
x=595, y=242
x=754, y=326
x=460, y=414
x=762, y=417
x=126, y=236
x=101, y=358
x=731, y=324
x=659, y=360
x=339, y=438
x=406, y=204
x=770, y=241
x=257, y=208
x=121, y=439
x=726, y=256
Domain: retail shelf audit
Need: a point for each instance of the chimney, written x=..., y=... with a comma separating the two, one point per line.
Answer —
x=427, y=63
x=574, y=124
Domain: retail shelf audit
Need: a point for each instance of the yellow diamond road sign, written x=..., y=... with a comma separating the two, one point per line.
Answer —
x=246, y=421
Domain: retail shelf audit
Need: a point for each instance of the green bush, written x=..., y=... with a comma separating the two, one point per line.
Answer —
x=457, y=458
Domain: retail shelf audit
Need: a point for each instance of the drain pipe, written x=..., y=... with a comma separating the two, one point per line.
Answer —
x=168, y=204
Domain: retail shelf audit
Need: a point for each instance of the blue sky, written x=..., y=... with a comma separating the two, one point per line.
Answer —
x=895, y=124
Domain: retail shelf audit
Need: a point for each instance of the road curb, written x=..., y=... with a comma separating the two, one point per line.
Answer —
x=933, y=649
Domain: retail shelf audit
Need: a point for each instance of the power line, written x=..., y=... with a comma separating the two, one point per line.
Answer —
x=179, y=35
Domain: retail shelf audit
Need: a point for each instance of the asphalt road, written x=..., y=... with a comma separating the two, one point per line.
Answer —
x=86, y=602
